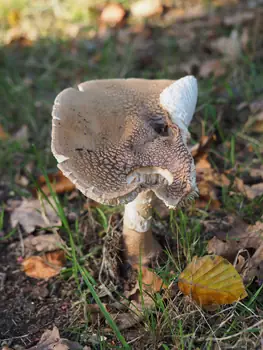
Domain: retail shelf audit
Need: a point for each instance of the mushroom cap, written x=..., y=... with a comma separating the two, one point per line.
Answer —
x=113, y=139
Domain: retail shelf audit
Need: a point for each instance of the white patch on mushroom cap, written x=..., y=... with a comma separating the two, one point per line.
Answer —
x=60, y=158
x=179, y=99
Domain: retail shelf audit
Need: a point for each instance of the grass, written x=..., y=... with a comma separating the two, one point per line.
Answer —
x=31, y=74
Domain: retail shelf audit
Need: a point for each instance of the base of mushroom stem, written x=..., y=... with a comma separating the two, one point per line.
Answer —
x=140, y=247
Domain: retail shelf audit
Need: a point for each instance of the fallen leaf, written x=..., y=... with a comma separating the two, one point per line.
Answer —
x=200, y=148
x=230, y=46
x=127, y=320
x=241, y=237
x=208, y=179
x=42, y=243
x=21, y=180
x=151, y=283
x=250, y=191
x=254, y=191
x=211, y=280
x=146, y=8
x=238, y=18
x=256, y=106
x=112, y=14
x=50, y=339
x=59, y=183
x=258, y=172
x=34, y=213
x=212, y=67
x=257, y=126
x=44, y=266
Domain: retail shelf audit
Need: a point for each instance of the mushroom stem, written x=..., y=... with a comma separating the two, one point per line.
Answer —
x=137, y=233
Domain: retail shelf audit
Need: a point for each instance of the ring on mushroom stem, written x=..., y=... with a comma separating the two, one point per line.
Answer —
x=122, y=142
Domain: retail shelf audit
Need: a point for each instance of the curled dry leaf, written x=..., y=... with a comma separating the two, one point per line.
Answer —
x=45, y=266
x=34, y=213
x=42, y=243
x=241, y=237
x=230, y=46
x=208, y=179
x=257, y=126
x=199, y=149
x=212, y=67
x=50, y=339
x=112, y=14
x=211, y=280
x=59, y=183
x=256, y=106
x=254, y=191
x=151, y=283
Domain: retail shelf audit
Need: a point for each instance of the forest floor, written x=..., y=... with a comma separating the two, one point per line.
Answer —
x=46, y=46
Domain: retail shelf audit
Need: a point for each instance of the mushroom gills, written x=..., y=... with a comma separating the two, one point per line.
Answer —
x=150, y=176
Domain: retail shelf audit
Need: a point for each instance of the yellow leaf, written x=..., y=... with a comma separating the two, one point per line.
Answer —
x=45, y=266
x=211, y=280
x=13, y=18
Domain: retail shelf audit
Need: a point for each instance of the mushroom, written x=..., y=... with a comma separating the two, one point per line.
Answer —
x=122, y=141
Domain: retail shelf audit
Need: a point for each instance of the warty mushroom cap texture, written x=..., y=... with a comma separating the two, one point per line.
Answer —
x=113, y=139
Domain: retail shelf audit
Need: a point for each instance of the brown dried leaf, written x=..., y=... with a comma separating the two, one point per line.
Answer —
x=200, y=149
x=59, y=183
x=42, y=243
x=254, y=191
x=127, y=320
x=250, y=191
x=207, y=179
x=214, y=67
x=257, y=126
x=34, y=213
x=151, y=282
x=45, y=266
x=241, y=237
x=256, y=106
x=238, y=18
x=51, y=340
x=112, y=14
x=230, y=46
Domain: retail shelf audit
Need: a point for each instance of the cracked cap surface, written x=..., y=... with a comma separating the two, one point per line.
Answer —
x=113, y=139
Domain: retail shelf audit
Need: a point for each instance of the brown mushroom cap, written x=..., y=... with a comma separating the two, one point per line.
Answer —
x=113, y=139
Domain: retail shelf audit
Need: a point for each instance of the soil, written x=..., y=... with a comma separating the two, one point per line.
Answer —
x=28, y=306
